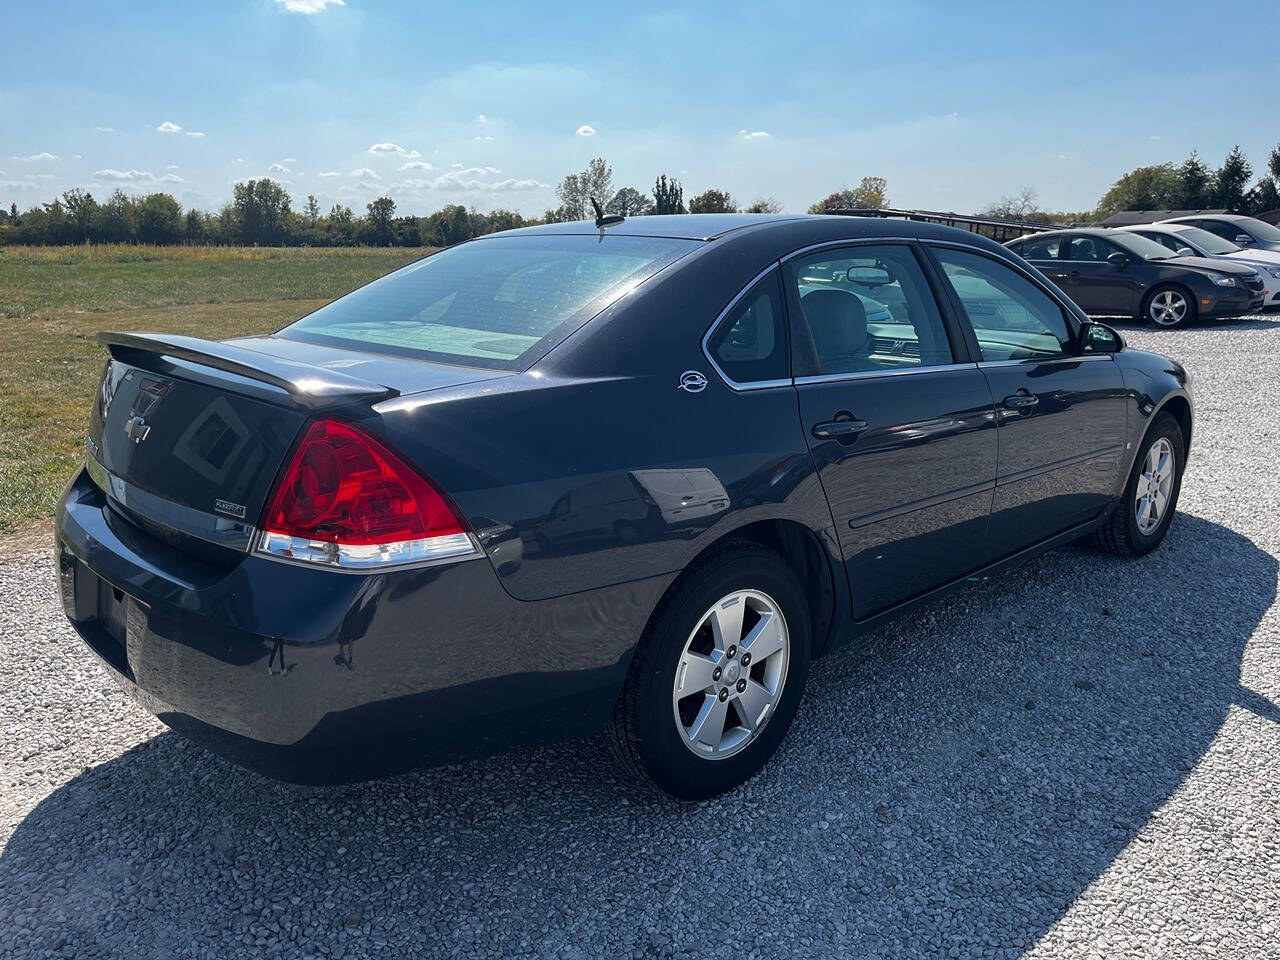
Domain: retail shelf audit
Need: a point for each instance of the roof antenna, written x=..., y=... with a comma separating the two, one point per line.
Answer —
x=603, y=221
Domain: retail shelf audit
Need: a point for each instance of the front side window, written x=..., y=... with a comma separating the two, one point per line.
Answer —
x=750, y=344
x=1012, y=318
x=497, y=302
x=869, y=308
x=1207, y=241
x=1222, y=228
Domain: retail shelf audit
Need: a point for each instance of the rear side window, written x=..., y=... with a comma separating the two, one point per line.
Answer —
x=750, y=344
x=498, y=302
x=1166, y=240
x=1012, y=318
x=869, y=308
x=1040, y=248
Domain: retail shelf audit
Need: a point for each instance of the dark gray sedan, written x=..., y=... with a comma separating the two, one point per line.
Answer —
x=626, y=477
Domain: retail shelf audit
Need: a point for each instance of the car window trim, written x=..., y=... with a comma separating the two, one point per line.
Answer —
x=715, y=324
x=962, y=352
x=1069, y=314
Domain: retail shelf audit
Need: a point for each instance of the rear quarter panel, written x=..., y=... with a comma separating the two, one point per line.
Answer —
x=532, y=456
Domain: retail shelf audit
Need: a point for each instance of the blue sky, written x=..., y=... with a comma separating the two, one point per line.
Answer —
x=491, y=104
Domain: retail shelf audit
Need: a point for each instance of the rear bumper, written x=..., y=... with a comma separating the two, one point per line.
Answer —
x=321, y=677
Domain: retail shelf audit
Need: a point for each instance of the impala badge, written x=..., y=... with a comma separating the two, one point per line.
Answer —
x=137, y=429
x=692, y=381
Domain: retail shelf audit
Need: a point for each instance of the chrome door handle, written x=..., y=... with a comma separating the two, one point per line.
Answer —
x=1020, y=401
x=834, y=429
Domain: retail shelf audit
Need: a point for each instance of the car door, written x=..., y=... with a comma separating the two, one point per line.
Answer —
x=1061, y=414
x=1097, y=285
x=899, y=421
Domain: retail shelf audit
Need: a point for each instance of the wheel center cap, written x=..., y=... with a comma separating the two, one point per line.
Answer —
x=731, y=672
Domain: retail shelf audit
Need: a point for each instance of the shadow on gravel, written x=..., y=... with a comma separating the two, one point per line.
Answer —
x=956, y=784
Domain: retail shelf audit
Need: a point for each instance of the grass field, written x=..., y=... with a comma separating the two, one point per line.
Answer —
x=54, y=300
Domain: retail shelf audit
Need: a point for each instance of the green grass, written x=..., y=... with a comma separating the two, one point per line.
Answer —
x=54, y=300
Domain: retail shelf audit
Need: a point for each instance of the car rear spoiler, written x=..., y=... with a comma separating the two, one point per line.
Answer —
x=309, y=385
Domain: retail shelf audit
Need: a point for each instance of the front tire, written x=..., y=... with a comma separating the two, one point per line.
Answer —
x=717, y=677
x=1141, y=519
x=1169, y=306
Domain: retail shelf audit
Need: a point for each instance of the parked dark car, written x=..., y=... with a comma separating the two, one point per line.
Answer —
x=1242, y=231
x=568, y=479
x=1112, y=273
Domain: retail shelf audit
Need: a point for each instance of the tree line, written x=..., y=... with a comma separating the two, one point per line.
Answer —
x=261, y=212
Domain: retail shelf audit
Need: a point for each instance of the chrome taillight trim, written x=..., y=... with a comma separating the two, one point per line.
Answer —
x=372, y=558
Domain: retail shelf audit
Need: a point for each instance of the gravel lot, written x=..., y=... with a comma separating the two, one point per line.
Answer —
x=1079, y=759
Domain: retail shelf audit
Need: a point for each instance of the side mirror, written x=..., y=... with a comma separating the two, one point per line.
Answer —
x=1099, y=338
x=1117, y=258
x=1243, y=239
x=1186, y=252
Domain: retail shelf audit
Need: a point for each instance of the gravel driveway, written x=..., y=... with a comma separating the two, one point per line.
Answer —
x=1081, y=758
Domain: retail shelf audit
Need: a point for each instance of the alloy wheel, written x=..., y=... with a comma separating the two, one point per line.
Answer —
x=1168, y=308
x=731, y=673
x=1155, y=486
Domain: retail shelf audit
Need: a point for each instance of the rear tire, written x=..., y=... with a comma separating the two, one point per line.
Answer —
x=1139, y=523
x=1169, y=306
x=655, y=732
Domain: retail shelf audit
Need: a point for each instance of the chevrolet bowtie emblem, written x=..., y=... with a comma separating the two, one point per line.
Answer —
x=137, y=429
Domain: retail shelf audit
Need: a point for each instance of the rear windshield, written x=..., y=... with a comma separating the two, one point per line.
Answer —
x=499, y=302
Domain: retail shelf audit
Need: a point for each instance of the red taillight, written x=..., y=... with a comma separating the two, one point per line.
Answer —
x=347, y=500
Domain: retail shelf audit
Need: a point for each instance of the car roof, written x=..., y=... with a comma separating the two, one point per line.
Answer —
x=1162, y=227
x=793, y=230
x=1074, y=231
x=1232, y=217
x=680, y=226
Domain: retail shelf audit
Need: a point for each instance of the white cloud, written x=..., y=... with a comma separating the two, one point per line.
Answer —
x=481, y=118
x=37, y=157
x=124, y=176
x=171, y=166
x=105, y=129
x=329, y=173
x=289, y=160
x=194, y=133
x=753, y=134
x=364, y=172
x=168, y=127
x=76, y=156
x=586, y=130
x=1155, y=136
x=238, y=160
x=277, y=168
x=417, y=165
x=309, y=6
x=393, y=148
x=482, y=138
x=467, y=179
x=38, y=176
x=171, y=178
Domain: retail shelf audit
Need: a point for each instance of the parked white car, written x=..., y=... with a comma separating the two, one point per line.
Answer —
x=1187, y=240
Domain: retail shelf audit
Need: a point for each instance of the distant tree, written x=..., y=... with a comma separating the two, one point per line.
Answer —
x=406, y=232
x=82, y=213
x=1021, y=206
x=1155, y=187
x=260, y=211
x=194, y=229
x=378, y=222
x=1233, y=179
x=764, y=205
x=312, y=210
x=1264, y=196
x=1198, y=187
x=559, y=215
x=630, y=202
x=14, y=218
x=668, y=195
x=871, y=193
x=448, y=226
x=159, y=219
x=577, y=189
x=342, y=226
x=499, y=220
x=117, y=219
x=713, y=201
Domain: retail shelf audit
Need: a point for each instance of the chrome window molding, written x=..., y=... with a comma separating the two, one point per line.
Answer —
x=1036, y=361
x=848, y=242
x=706, y=339
x=877, y=374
